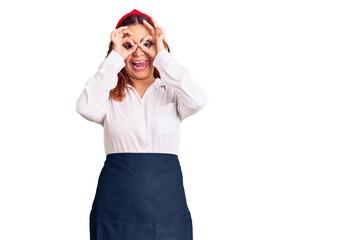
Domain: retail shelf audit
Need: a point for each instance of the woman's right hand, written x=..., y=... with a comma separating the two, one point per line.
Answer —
x=119, y=42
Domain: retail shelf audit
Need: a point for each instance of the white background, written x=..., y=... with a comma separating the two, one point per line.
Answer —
x=273, y=155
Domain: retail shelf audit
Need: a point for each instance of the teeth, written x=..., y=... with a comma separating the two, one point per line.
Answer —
x=139, y=61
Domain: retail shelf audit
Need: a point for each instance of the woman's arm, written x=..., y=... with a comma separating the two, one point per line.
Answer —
x=190, y=95
x=92, y=103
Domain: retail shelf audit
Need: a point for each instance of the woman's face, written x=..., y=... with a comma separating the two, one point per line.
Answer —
x=138, y=73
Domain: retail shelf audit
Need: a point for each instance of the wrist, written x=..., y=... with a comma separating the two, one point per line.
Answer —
x=159, y=49
x=119, y=52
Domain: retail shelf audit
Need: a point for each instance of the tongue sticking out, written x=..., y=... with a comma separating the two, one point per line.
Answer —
x=140, y=64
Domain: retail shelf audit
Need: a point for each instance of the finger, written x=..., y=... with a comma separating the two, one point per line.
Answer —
x=124, y=33
x=128, y=40
x=154, y=22
x=118, y=31
x=133, y=49
x=121, y=28
x=162, y=31
x=127, y=32
x=149, y=26
x=158, y=28
x=159, y=31
x=144, y=48
x=147, y=38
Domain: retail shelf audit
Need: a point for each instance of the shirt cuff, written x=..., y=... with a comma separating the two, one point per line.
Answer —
x=162, y=58
x=114, y=61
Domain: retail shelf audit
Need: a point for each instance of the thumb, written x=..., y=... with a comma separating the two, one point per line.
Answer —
x=143, y=48
x=133, y=49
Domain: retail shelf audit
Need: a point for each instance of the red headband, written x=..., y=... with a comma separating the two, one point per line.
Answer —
x=133, y=12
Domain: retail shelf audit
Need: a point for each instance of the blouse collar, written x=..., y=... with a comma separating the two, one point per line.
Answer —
x=157, y=83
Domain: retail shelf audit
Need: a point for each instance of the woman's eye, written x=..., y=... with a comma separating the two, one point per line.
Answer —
x=127, y=46
x=149, y=44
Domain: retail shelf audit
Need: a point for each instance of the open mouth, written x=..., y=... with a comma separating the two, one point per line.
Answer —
x=140, y=65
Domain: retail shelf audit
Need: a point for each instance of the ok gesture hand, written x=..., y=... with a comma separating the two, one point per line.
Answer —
x=118, y=41
x=156, y=36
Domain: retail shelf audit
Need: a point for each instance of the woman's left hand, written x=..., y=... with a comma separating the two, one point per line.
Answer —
x=156, y=36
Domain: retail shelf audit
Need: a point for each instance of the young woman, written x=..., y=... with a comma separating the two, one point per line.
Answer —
x=140, y=95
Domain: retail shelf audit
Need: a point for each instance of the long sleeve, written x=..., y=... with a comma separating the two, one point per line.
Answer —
x=191, y=97
x=92, y=102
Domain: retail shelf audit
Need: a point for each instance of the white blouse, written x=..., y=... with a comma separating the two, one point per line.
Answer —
x=147, y=124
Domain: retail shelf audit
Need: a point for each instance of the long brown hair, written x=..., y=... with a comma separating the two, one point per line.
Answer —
x=118, y=93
